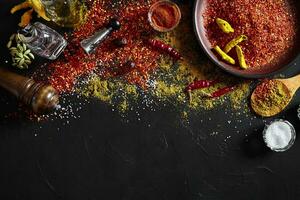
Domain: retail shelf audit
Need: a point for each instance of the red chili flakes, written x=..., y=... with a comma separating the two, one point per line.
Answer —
x=135, y=28
x=263, y=90
x=270, y=26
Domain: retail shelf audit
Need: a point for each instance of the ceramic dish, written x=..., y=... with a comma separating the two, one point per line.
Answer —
x=199, y=9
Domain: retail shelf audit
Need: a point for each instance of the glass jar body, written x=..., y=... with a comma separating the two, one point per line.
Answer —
x=65, y=13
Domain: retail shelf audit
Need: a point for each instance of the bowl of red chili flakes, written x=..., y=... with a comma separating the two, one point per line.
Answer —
x=271, y=27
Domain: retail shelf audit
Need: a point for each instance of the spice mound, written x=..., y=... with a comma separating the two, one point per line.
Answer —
x=164, y=16
x=270, y=98
x=271, y=27
x=279, y=135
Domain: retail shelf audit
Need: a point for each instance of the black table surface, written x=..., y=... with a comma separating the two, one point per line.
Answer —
x=102, y=155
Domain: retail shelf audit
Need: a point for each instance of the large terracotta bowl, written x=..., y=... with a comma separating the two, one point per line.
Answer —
x=200, y=6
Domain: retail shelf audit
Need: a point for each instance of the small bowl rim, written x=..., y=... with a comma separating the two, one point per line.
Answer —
x=226, y=69
x=150, y=12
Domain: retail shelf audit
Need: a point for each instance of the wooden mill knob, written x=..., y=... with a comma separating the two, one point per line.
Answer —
x=40, y=97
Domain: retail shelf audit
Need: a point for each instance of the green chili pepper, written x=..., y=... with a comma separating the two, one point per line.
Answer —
x=234, y=42
x=224, y=25
x=241, y=57
x=224, y=56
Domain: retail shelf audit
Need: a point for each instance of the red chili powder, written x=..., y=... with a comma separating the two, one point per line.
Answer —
x=264, y=88
x=108, y=59
x=270, y=26
x=165, y=15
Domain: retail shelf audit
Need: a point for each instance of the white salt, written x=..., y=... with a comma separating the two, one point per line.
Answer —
x=278, y=135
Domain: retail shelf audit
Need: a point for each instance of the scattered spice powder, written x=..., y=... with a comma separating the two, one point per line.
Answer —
x=239, y=96
x=168, y=83
x=99, y=89
x=270, y=97
x=155, y=76
x=114, y=92
x=270, y=26
x=107, y=59
x=164, y=90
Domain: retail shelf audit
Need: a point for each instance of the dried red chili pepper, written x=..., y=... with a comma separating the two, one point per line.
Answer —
x=159, y=45
x=222, y=91
x=199, y=84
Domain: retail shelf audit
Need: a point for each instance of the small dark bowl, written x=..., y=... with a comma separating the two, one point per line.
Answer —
x=199, y=9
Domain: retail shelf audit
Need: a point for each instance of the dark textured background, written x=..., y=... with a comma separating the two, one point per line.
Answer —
x=104, y=156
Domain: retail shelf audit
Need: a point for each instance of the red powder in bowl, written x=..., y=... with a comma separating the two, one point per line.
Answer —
x=164, y=16
x=270, y=26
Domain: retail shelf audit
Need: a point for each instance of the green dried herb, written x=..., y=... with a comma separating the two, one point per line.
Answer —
x=21, y=55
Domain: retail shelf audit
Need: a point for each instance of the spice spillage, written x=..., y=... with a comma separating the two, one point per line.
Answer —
x=170, y=81
x=126, y=63
x=107, y=59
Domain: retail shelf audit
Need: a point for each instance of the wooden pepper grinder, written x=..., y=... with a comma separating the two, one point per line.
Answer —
x=40, y=97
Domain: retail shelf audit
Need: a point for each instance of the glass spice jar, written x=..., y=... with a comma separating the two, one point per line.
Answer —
x=43, y=40
x=65, y=13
